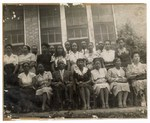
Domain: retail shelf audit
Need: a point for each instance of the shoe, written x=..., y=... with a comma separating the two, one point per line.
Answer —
x=120, y=106
x=107, y=106
x=88, y=107
x=84, y=108
x=124, y=105
x=103, y=106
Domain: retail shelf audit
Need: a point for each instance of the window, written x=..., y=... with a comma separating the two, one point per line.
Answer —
x=103, y=23
x=50, y=24
x=13, y=24
x=76, y=20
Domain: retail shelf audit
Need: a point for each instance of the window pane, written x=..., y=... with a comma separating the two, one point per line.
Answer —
x=76, y=20
x=105, y=37
x=44, y=38
x=58, y=37
x=71, y=33
x=13, y=24
x=50, y=25
x=14, y=39
x=51, y=38
x=20, y=38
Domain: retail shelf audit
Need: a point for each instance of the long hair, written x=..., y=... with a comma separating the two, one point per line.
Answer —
x=62, y=53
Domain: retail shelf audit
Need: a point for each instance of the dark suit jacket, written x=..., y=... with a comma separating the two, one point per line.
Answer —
x=67, y=77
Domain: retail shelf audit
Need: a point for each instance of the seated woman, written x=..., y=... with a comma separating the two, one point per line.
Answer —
x=136, y=73
x=42, y=82
x=101, y=87
x=10, y=66
x=63, y=84
x=118, y=83
x=27, y=92
x=82, y=76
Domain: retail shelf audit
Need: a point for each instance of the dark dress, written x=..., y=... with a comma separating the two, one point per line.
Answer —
x=45, y=59
x=85, y=77
x=124, y=57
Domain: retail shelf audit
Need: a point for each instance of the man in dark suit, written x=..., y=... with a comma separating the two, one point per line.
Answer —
x=63, y=85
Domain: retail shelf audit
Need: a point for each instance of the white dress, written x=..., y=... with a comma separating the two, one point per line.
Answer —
x=138, y=69
x=99, y=79
x=42, y=80
x=115, y=86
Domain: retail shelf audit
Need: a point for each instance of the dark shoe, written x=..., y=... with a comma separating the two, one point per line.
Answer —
x=103, y=106
x=107, y=106
x=120, y=106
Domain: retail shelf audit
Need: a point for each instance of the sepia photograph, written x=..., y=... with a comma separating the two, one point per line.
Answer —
x=74, y=61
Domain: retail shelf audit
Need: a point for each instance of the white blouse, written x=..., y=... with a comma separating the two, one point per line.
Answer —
x=43, y=79
x=59, y=58
x=108, y=56
x=11, y=59
x=26, y=58
x=99, y=74
x=26, y=79
x=74, y=56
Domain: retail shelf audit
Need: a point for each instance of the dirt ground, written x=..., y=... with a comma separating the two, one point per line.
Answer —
x=130, y=112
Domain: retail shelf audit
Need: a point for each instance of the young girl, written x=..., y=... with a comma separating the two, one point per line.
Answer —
x=43, y=82
x=101, y=87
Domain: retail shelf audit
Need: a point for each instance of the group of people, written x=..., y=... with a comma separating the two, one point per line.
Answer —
x=69, y=78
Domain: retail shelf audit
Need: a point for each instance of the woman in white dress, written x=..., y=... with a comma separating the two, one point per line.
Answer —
x=43, y=81
x=101, y=87
x=136, y=72
x=118, y=83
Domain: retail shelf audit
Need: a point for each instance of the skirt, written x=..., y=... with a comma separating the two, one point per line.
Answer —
x=118, y=87
x=47, y=90
x=139, y=85
x=99, y=86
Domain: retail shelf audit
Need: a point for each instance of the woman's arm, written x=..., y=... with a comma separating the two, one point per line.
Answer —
x=110, y=77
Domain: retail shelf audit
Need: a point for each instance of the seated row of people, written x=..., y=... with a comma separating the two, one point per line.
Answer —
x=62, y=84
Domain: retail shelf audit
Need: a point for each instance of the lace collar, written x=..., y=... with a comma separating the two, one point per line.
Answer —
x=77, y=70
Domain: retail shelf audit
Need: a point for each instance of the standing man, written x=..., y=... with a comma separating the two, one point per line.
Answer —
x=68, y=49
x=84, y=49
x=100, y=48
x=34, y=50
